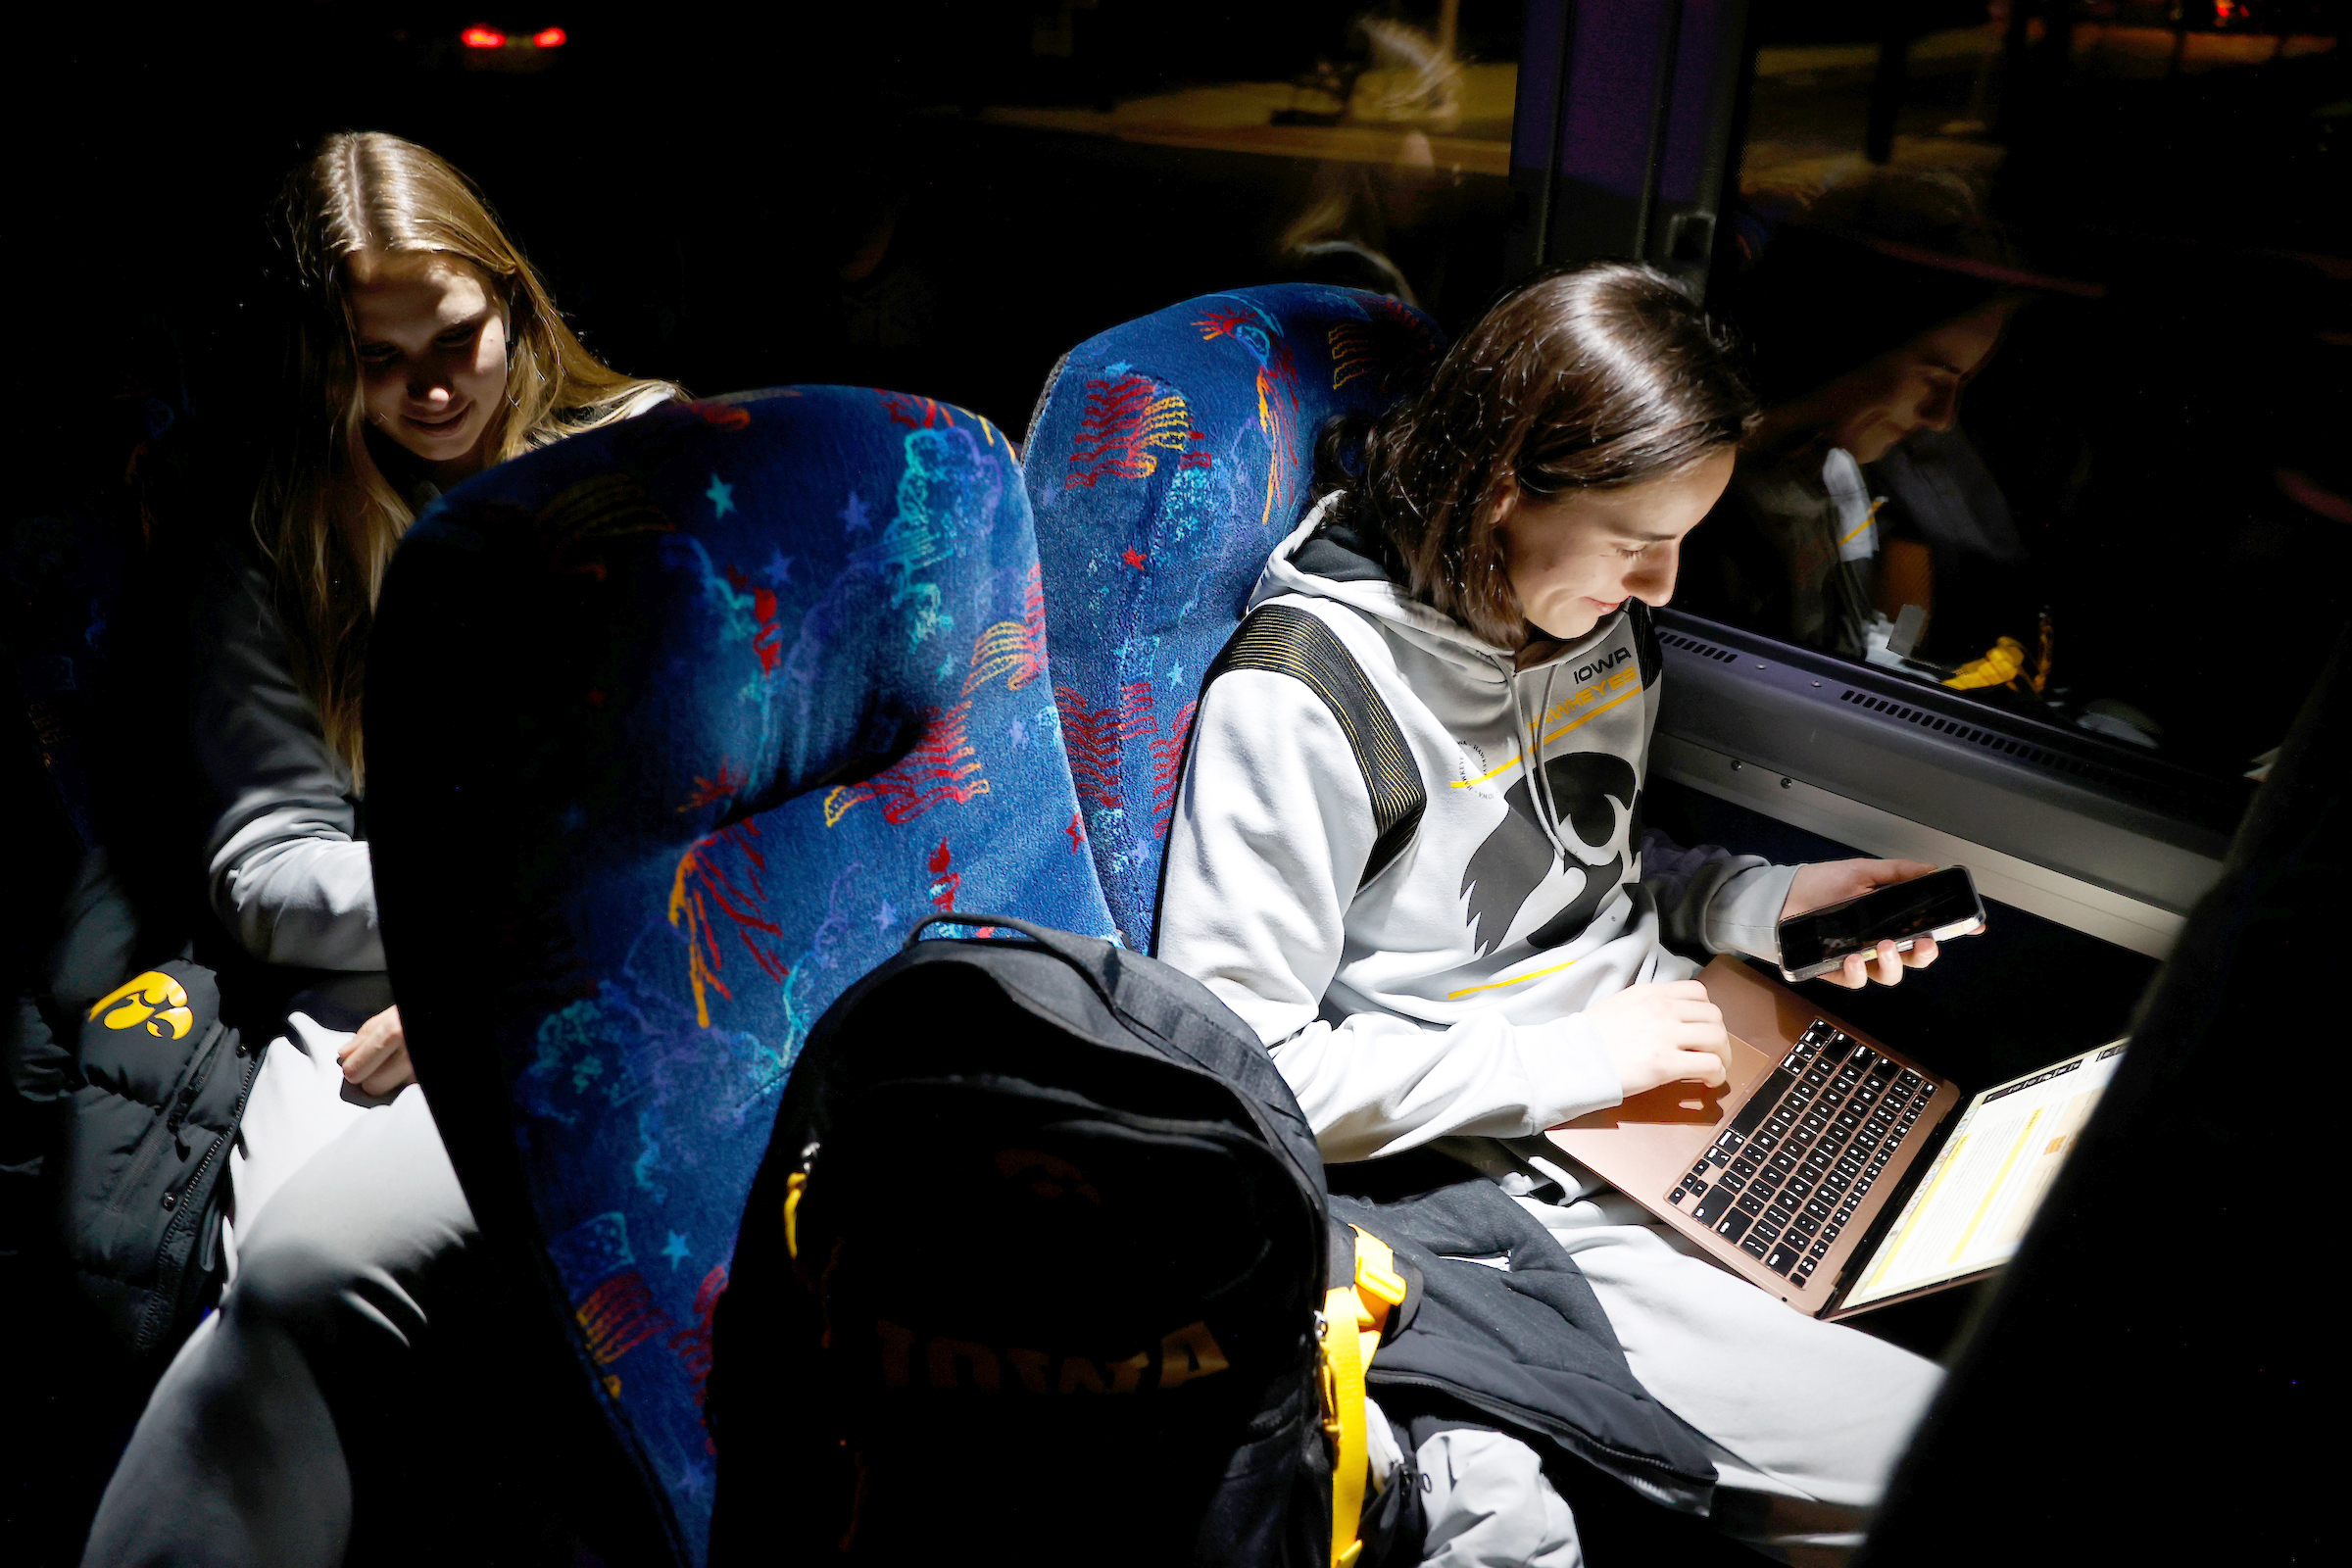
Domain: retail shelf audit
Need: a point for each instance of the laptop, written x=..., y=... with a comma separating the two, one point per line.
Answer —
x=1830, y=1170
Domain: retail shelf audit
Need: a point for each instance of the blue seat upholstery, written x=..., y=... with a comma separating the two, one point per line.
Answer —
x=674, y=730
x=1167, y=457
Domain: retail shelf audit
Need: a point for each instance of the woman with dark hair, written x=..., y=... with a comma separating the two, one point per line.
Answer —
x=1524, y=957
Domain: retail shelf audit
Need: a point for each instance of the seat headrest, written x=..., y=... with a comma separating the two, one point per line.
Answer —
x=1166, y=460
x=674, y=729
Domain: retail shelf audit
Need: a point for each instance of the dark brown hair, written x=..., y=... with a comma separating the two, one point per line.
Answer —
x=1593, y=377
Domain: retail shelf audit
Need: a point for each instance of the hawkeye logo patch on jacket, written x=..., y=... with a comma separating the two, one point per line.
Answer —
x=153, y=999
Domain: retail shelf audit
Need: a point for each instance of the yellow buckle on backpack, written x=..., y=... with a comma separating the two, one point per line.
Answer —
x=795, y=1185
x=1376, y=1272
x=1353, y=1317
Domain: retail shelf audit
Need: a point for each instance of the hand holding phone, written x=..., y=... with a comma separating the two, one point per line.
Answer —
x=1937, y=906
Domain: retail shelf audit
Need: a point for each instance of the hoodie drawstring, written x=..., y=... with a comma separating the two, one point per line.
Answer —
x=1539, y=787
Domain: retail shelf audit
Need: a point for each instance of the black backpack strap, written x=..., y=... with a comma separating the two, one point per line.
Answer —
x=1289, y=641
x=1648, y=657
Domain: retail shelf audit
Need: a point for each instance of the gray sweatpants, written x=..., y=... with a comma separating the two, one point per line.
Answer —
x=1804, y=1420
x=239, y=1458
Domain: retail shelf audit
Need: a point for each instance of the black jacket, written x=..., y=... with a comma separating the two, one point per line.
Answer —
x=1524, y=1348
x=118, y=1038
x=158, y=1088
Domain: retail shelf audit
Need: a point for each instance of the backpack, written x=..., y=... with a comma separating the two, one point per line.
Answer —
x=1039, y=1257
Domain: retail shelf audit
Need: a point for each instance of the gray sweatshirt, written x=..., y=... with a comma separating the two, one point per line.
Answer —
x=1445, y=997
x=289, y=876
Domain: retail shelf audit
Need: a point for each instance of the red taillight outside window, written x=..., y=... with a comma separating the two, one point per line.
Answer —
x=548, y=37
x=482, y=38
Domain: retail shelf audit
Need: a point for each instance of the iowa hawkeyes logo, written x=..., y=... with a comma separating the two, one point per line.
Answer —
x=1588, y=787
x=153, y=999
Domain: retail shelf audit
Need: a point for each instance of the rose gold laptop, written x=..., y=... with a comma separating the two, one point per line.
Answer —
x=1821, y=1171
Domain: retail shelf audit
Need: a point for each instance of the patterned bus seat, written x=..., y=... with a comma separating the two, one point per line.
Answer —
x=1167, y=457
x=674, y=730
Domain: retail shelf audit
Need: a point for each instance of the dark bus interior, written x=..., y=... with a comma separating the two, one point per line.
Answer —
x=942, y=197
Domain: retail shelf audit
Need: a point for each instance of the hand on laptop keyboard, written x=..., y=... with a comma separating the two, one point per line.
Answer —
x=1663, y=1034
x=1793, y=1165
x=1828, y=882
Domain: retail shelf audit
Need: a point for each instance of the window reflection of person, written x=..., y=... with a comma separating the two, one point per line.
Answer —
x=1860, y=355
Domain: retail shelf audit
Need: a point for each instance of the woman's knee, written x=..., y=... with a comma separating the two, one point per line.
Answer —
x=325, y=1263
x=296, y=1283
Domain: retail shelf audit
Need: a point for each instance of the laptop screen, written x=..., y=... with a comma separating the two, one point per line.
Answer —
x=1969, y=1212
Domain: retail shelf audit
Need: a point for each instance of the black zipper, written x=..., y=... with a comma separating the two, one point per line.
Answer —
x=149, y=1333
x=152, y=1143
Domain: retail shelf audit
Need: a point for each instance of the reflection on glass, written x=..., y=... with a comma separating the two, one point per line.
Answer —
x=979, y=199
x=1859, y=483
x=2045, y=301
x=1374, y=144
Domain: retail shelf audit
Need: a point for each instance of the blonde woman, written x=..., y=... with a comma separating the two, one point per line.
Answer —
x=423, y=348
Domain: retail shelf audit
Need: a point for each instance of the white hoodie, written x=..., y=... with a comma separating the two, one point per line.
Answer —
x=1443, y=997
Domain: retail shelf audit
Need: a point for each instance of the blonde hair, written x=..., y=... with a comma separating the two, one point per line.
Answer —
x=326, y=515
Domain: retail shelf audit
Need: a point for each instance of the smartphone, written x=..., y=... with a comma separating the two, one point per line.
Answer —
x=1943, y=904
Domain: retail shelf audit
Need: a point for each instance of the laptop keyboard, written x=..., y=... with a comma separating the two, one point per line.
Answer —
x=1787, y=1173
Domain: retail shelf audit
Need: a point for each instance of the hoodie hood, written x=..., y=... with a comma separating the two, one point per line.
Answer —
x=1326, y=558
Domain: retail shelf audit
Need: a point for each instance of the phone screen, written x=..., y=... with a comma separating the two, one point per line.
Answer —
x=1898, y=914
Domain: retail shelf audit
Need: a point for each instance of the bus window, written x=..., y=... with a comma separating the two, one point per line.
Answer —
x=2047, y=306
x=1113, y=159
